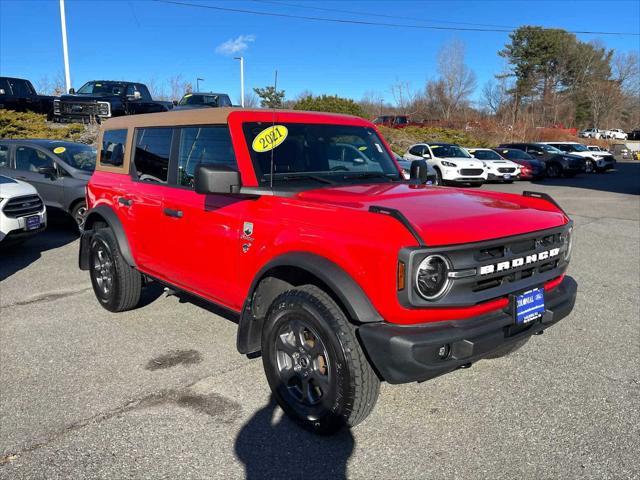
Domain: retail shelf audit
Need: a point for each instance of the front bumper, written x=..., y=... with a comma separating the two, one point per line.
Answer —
x=404, y=354
x=500, y=177
x=605, y=163
x=16, y=228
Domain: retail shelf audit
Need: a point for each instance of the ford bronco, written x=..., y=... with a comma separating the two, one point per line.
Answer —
x=341, y=273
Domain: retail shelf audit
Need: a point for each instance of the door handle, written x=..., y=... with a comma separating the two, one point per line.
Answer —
x=170, y=212
x=127, y=202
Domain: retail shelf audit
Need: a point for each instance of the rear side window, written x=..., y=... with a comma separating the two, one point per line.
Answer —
x=4, y=156
x=112, y=149
x=203, y=145
x=152, y=152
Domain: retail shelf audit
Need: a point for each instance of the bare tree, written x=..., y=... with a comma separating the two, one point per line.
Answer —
x=178, y=87
x=402, y=95
x=156, y=89
x=251, y=100
x=456, y=82
x=626, y=71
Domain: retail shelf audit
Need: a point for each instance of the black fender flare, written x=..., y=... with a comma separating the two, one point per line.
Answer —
x=341, y=285
x=106, y=214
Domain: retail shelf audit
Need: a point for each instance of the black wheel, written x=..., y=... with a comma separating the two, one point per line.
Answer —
x=79, y=213
x=589, y=166
x=553, y=170
x=439, y=180
x=314, y=364
x=117, y=285
x=508, y=349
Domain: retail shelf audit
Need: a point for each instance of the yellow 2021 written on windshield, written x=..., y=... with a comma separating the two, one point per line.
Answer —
x=269, y=138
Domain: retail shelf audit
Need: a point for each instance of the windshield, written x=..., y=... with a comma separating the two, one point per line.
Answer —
x=515, y=154
x=451, y=151
x=485, y=154
x=190, y=99
x=101, y=88
x=319, y=152
x=578, y=147
x=548, y=148
x=82, y=157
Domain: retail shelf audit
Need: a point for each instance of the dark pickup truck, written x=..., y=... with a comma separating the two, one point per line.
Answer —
x=18, y=94
x=101, y=99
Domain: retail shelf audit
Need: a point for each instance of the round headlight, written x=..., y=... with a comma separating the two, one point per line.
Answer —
x=568, y=242
x=432, y=277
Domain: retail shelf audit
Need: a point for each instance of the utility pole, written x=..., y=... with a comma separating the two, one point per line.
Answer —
x=65, y=50
x=241, y=79
x=198, y=80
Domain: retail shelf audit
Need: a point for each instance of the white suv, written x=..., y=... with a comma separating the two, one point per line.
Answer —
x=22, y=211
x=452, y=163
x=616, y=134
x=599, y=161
x=499, y=169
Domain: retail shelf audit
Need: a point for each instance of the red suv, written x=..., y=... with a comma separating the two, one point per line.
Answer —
x=341, y=273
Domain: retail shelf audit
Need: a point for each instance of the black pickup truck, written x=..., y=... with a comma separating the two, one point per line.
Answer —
x=101, y=99
x=18, y=94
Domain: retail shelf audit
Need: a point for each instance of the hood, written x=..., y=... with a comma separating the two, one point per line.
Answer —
x=446, y=216
x=10, y=187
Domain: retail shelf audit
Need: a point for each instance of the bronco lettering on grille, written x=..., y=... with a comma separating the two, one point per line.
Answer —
x=519, y=262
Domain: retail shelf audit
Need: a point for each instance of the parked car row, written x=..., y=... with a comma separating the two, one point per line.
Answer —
x=509, y=161
x=98, y=100
x=612, y=134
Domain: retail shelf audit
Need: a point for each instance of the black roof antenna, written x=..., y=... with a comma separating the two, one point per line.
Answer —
x=273, y=127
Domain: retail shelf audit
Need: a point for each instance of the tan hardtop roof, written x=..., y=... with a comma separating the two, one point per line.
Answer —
x=194, y=116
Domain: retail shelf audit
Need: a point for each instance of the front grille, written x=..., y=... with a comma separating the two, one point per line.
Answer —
x=506, y=170
x=23, y=206
x=480, y=287
x=470, y=171
x=76, y=108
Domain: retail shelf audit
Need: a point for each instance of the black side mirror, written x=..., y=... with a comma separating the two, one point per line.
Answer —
x=72, y=91
x=48, y=171
x=418, y=172
x=216, y=179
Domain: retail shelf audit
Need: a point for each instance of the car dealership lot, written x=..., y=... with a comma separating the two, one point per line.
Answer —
x=160, y=392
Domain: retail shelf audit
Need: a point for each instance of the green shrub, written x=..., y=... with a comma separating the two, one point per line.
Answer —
x=34, y=125
x=329, y=103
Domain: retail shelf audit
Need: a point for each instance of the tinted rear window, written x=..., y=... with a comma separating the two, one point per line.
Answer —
x=112, y=148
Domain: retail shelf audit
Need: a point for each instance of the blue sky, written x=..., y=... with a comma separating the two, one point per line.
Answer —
x=144, y=40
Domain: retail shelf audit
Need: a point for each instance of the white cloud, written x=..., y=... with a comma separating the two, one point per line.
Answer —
x=235, y=45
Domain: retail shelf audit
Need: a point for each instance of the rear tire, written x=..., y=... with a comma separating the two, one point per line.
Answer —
x=553, y=170
x=79, y=213
x=314, y=364
x=117, y=285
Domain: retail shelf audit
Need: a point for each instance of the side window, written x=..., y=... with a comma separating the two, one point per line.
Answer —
x=4, y=156
x=203, y=145
x=113, y=144
x=417, y=150
x=144, y=93
x=30, y=160
x=20, y=88
x=225, y=101
x=151, y=158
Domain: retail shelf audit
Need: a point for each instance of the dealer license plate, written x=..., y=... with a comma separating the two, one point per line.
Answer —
x=32, y=223
x=529, y=306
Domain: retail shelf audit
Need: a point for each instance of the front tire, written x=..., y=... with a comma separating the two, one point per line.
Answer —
x=314, y=364
x=117, y=285
x=79, y=213
x=590, y=166
x=553, y=170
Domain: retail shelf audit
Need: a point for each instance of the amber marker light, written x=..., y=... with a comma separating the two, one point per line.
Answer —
x=401, y=276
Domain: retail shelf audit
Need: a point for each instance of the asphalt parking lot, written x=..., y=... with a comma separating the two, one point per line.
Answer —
x=161, y=392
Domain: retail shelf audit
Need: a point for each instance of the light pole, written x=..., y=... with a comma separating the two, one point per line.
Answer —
x=198, y=80
x=65, y=50
x=241, y=79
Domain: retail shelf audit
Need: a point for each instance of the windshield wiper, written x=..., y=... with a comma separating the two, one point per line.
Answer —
x=304, y=176
x=387, y=176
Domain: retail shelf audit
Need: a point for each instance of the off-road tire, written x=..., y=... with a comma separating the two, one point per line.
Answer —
x=353, y=385
x=508, y=349
x=126, y=285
